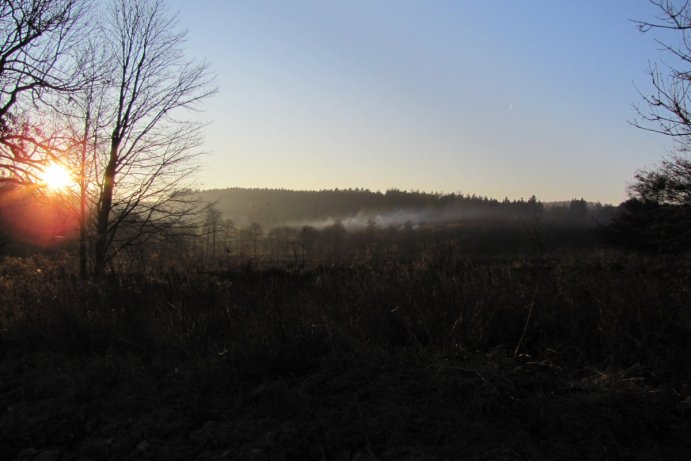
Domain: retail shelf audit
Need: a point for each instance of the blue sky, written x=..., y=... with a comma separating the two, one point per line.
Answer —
x=496, y=98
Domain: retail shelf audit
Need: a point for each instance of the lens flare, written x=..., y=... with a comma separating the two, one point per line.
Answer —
x=56, y=178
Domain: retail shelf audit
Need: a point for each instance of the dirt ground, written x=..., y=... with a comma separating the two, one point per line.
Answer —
x=374, y=407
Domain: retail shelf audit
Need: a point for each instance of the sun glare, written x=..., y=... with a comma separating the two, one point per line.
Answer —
x=56, y=178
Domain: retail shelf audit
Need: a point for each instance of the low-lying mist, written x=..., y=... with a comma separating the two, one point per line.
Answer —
x=358, y=209
x=397, y=219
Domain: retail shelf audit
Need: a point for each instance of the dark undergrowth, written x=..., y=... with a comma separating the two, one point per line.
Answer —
x=441, y=357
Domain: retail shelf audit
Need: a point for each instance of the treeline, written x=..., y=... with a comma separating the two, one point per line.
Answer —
x=226, y=243
x=453, y=224
x=355, y=207
x=330, y=226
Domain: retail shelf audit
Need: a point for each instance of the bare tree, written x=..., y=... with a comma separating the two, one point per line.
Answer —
x=85, y=116
x=228, y=234
x=212, y=225
x=667, y=110
x=145, y=171
x=36, y=44
x=256, y=232
x=657, y=216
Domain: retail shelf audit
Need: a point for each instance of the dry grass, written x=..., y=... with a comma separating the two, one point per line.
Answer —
x=402, y=360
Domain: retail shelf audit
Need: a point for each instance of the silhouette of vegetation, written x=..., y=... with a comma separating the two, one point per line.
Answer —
x=558, y=358
x=354, y=207
x=149, y=152
x=37, y=53
x=334, y=324
x=657, y=217
x=658, y=213
x=324, y=335
x=97, y=88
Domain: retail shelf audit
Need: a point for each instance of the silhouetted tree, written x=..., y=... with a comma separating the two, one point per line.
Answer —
x=228, y=234
x=657, y=215
x=255, y=232
x=212, y=226
x=307, y=238
x=275, y=243
x=150, y=156
x=36, y=60
x=651, y=226
x=334, y=237
x=667, y=184
x=667, y=110
x=658, y=212
x=84, y=116
x=578, y=209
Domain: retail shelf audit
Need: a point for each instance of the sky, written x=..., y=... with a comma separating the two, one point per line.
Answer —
x=497, y=98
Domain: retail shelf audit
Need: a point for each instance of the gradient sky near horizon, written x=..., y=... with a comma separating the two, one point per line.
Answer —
x=497, y=97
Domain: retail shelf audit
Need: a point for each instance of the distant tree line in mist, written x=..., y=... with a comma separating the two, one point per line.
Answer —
x=274, y=225
x=355, y=207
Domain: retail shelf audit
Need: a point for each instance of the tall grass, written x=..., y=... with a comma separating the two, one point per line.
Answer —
x=600, y=311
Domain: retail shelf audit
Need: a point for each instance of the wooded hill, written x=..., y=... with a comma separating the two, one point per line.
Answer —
x=355, y=208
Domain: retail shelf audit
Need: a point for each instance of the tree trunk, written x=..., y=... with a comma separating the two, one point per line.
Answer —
x=105, y=204
x=82, y=233
x=83, y=201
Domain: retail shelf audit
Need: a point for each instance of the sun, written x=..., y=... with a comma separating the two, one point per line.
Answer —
x=56, y=178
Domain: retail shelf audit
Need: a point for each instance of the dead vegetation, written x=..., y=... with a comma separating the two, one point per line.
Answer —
x=432, y=358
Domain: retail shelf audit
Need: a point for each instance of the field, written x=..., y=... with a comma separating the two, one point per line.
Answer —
x=440, y=356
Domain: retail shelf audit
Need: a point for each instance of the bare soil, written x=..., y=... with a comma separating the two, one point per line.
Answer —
x=375, y=407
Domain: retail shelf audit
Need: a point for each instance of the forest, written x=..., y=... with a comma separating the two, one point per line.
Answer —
x=275, y=227
x=144, y=318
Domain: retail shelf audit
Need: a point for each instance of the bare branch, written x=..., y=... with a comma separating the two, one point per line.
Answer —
x=152, y=152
